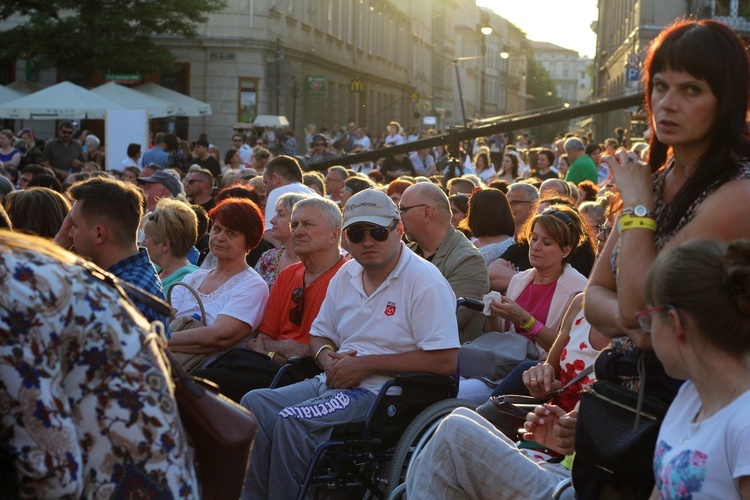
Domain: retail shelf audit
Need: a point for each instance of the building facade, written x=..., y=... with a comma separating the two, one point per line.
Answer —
x=331, y=62
x=567, y=69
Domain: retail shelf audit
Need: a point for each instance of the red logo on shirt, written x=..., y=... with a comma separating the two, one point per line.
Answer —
x=390, y=309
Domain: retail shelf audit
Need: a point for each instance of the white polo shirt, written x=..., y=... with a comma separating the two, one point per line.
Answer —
x=414, y=308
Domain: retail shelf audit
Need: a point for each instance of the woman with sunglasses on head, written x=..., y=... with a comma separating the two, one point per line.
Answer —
x=536, y=298
x=233, y=294
x=170, y=231
x=698, y=300
x=694, y=185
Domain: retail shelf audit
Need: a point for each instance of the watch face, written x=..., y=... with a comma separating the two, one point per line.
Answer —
x=640, y=211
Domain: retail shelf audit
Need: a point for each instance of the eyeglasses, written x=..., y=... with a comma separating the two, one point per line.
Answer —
x=557, y=214
x=190, y=181
x=298, y=297
x=513, y=203
x=404, y=209
x=645, y=318
x=378, y=233
x=66, y=132
x=331, y=179
x=603, y=230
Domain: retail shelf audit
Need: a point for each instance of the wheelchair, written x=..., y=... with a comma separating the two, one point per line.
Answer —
x=370, y=459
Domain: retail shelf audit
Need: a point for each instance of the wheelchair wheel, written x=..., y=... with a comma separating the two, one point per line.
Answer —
x=416, y=436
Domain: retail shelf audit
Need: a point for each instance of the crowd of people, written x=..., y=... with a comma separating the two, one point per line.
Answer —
x=579, y=248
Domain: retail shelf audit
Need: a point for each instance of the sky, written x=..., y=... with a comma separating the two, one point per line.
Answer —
x=567, y=24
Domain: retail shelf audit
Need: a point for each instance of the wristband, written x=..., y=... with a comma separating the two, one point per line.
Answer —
x=632, y=222
x=271, y=354
x=528, y=323
x=327, y=346
x=532, y=334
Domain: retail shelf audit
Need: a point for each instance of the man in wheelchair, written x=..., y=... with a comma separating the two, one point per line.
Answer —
x=386, y=311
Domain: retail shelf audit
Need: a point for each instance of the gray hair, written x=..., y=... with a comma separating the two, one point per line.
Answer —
x=575, y=144
x=339, y=170
x=288, y=200
x=331, y=211
x=92, y=139
x=532, y=193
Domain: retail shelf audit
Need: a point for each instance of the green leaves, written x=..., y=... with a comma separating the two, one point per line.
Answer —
x=87, y=36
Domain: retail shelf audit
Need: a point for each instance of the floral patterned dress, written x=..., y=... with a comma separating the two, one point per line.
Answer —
x=87, y=406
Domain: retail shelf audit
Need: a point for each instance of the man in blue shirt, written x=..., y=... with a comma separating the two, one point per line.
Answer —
x=103, y=225
x=156, y=155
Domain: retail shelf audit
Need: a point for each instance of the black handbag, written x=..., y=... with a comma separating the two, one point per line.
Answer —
x=508, y=413
x=617, y=430
x=502, y=412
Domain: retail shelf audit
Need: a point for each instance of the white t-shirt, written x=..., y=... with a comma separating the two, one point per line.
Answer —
x=487, y=174
x=129, y=162
x=242, y=297
x=414, y=308
x=394, y=140
x=273, y=197
x=706, y=459
x=423, y=166
x=246, y=153
x=364, y=142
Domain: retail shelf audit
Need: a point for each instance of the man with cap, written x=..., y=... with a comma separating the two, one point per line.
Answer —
x=386, y=311
x=205, y=160
x=161, y=184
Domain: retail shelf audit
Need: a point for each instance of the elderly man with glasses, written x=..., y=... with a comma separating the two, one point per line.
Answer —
x=335, y=178
x=426, y=214
x=294, y=302
x=386, y=311
x=63, y=153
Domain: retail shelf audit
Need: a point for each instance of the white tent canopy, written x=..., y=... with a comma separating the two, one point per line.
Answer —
x=7, y=94
x=64, y=101
x=132, y=99
x=270, y=121
x=183, y=105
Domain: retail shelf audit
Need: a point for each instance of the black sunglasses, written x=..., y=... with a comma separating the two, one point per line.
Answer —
x=298, y=297
x=152, y=216
x=378, y=233
x=557, y=214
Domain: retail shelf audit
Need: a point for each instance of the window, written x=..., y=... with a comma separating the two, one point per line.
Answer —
x=247, y=100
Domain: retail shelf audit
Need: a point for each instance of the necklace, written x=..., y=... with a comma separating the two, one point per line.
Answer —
x=693, y=431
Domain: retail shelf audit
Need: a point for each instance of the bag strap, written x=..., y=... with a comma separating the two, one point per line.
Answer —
x=195, y=294
x=641, y=389
x=173, y=365
x=133, y=292
x=584, y=373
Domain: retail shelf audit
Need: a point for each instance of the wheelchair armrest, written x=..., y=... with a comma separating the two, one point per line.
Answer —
x=417, y=378
x=473, y=304
x=297, y=368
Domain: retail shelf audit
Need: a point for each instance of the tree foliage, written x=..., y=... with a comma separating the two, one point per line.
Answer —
x=544, y=92
x=87, y=36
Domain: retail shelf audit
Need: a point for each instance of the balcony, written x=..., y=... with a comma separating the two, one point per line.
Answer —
x=733, y=13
